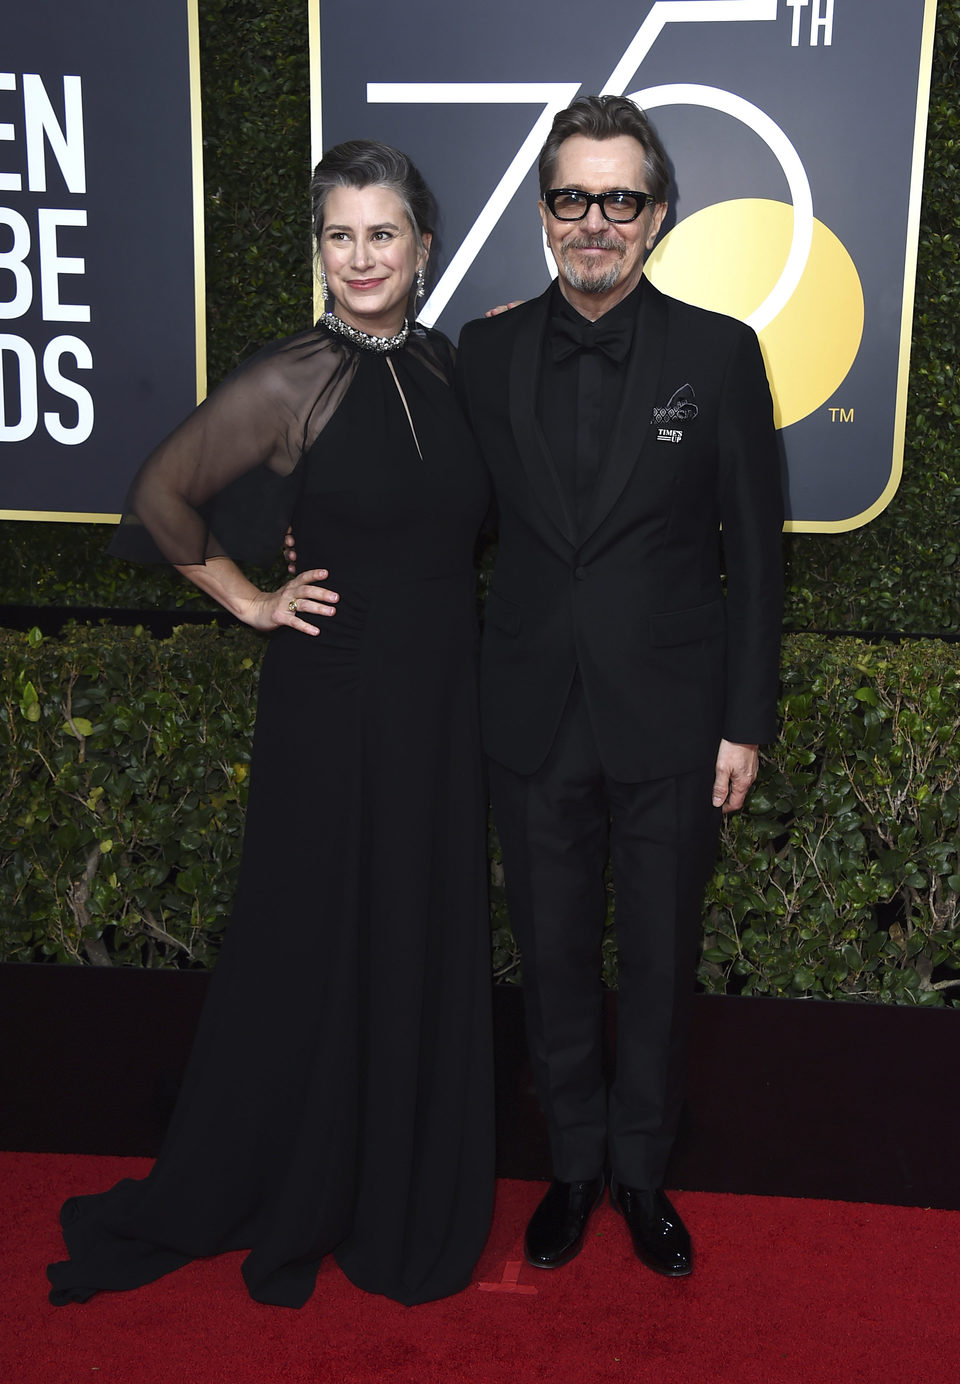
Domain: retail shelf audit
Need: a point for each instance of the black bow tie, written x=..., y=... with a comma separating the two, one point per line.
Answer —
x=568, y=337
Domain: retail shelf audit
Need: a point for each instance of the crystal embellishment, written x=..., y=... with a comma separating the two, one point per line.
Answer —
x=364, y=340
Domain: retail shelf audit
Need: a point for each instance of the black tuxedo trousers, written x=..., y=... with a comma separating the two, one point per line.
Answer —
x=558, y=827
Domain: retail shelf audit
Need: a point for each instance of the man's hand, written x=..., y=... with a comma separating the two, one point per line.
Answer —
x=736, y=769
x=503, y=307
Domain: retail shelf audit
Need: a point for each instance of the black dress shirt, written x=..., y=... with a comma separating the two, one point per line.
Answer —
x=579, y=392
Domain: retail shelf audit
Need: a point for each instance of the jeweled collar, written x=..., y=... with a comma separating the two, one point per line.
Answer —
x=364, y=340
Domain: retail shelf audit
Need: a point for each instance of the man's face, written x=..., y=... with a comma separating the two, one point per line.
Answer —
x=599, y=261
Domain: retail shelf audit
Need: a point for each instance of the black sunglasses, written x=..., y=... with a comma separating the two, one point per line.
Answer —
x=572, y=204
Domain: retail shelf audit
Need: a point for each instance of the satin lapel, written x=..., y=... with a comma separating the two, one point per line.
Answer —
x=631, y=429
x=541, y=472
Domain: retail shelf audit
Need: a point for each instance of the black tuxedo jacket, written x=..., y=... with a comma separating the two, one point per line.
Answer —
x=677, y=644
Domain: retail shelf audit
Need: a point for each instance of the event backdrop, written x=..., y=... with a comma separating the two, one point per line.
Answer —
x=796, y=133
x=795, y=129
x=101, y=326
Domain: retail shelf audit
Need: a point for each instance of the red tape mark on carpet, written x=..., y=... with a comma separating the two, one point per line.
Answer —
x=509, y=1282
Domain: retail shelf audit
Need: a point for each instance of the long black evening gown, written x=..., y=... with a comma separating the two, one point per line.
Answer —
x=339, y=1094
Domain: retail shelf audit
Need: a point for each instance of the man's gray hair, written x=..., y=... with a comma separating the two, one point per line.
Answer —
x=606, y=117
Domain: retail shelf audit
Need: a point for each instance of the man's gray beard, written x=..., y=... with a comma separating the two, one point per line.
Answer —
x=594, y=283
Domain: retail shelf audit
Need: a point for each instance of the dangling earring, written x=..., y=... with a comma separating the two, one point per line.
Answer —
x=324, y=289
x=421, y=279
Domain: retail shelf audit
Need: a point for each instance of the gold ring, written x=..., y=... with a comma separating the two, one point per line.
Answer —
x=293, y=606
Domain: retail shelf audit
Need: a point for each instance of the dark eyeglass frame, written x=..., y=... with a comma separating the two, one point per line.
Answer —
x=644, y=200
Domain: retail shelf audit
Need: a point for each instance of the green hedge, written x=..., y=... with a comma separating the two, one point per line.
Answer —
x=843, y=876
x=901, y=572
x=122, y=804
x=123, y=792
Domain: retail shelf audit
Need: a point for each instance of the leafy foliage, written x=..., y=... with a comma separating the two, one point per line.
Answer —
x=126, y=766
x=256, y=151
x=842, y=876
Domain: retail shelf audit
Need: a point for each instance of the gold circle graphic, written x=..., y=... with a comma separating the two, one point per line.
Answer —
x=728, y=257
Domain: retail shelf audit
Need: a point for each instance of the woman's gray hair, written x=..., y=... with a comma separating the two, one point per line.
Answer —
x=368, y=163
x=606, y=117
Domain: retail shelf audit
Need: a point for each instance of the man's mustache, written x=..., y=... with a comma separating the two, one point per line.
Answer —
x=595, y=242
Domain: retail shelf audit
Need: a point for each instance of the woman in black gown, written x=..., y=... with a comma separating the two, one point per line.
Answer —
x=339, y=1096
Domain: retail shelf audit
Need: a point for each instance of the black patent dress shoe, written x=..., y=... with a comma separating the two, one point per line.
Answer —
x=557, y=1227
x=660, y=1238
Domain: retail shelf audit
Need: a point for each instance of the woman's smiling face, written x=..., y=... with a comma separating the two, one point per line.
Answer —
x=370, y=255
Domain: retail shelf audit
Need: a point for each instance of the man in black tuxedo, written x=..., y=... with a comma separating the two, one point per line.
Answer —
x=630, y=653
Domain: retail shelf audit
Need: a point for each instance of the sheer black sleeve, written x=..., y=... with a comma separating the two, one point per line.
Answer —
x=434, y=351
x=224, y=483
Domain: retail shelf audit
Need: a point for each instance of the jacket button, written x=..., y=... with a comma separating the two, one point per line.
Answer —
x=580, y=573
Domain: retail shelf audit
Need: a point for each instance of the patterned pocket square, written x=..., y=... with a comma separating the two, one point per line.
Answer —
x=681, y=408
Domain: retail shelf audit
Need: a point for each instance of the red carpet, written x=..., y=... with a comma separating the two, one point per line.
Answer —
x=784, y=1292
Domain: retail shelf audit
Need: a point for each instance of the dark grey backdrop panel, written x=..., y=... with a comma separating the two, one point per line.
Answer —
x=840, y=79
x=137, y=248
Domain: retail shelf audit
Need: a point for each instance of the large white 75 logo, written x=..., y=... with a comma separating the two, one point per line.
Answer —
x=555, y=95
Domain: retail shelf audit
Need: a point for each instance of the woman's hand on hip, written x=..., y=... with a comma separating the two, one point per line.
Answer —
x=302, y=595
